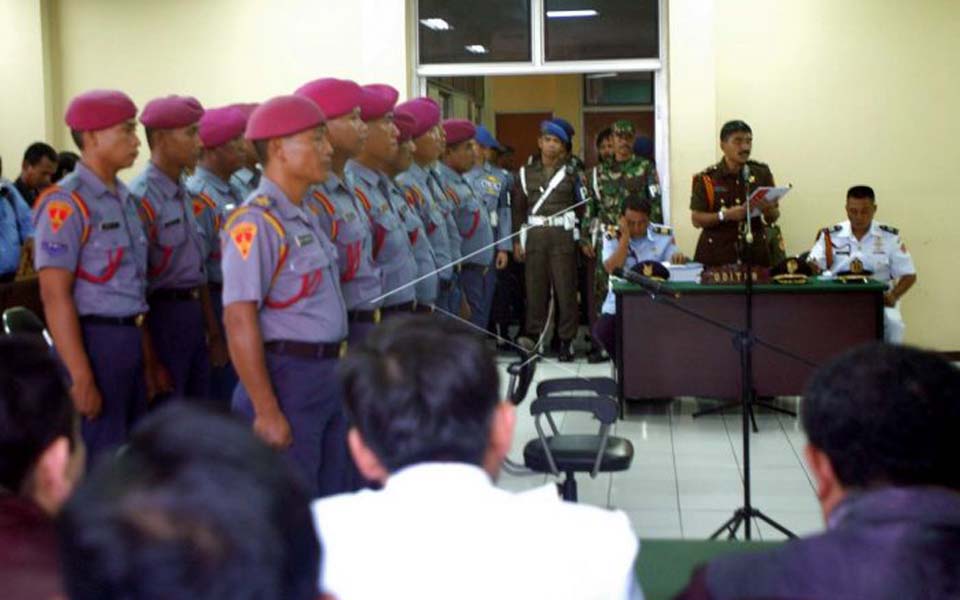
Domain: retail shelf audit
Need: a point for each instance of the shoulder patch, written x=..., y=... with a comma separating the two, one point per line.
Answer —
x=242, y=235
x=890, y=229
x=58, y=211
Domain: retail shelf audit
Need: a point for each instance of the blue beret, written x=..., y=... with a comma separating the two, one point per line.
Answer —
x=566, y=126
x=486, y=139
x=551, y=128
x=643, y=147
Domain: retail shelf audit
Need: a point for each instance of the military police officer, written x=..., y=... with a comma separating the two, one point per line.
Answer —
x=861, y=244
x=718, y=202
x=180, y=307
x=551, y=190
x=214, y=199
x=285, y=316
x=634, y=240
x=91, y=254
x=366, y=174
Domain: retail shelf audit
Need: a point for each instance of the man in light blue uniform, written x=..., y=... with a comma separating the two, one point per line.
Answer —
x=246, y=179
x=221, y=138
x=339, y=210
x=635, y=241
x=406, y=206
x=366, y=175
x=437, y=216
x=181, y=319
x=284, y=313
x=491, y=185
x=16, y=228
x=91, y=256
x=473, y=220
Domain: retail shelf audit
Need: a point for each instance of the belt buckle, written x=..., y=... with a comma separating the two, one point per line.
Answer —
x=344, y=345
x=376, y=316
x=139, y=319
x=195, y=294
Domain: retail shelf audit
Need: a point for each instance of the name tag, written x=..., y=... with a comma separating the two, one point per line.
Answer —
x=109, y=225
x=173, y=222
x=305, y=240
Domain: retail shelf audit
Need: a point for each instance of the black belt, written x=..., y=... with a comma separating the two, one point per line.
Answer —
x=405, y=307
x=174, y=294
x=305, y=349
x=476, y=267
x=364, y=316
x=131, y=321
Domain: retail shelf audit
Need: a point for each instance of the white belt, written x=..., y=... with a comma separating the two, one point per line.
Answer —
x=561, y=221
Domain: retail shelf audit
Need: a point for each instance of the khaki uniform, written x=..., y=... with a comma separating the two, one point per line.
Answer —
x=551, y=247
x=715, y=188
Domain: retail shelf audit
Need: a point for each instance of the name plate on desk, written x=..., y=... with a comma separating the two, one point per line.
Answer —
x=733, y=275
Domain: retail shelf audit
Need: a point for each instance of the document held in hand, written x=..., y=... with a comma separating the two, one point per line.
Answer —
x=765, y=196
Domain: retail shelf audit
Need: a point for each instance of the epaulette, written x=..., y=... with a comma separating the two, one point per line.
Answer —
x=834, y=229
x=890, y=229
x=757, y=163
x=711, y=169
x=662, y=229
x=264, y=201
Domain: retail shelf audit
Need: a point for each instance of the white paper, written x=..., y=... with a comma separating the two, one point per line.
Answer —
x=766, y=195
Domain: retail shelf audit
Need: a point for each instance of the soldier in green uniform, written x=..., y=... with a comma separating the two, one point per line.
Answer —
x=718, y=201
x=610, y=183
x=548, y=237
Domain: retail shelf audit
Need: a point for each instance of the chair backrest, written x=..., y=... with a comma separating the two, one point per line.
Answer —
x=601, y=386
x=604, y=408
x=19, y=320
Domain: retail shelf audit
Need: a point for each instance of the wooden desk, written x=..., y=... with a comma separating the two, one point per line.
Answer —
x=663, y=352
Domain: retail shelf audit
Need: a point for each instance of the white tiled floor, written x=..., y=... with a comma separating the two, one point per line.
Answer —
x=687, y=474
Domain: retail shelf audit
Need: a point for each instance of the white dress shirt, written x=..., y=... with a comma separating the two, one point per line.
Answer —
x=444, y=531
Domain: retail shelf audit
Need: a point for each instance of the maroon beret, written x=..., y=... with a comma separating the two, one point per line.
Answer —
x=171, y=112
x=406, y=123
x=377, y=100
x=425, y=110
x=246, y=108
x=283, y=116
x=458, y=130
x=335, y=97
x=99, y=109
x=220, y=125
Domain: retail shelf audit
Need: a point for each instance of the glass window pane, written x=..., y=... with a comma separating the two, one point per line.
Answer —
x=612, y=89
x=602, y=29
x=464, y=31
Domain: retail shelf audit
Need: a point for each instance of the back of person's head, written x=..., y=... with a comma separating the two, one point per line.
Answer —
x=66, y=163
x=887, y=416
x=422, y=389
x=195, y=507
x=40, y=451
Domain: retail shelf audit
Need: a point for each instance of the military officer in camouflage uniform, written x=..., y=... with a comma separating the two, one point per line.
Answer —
x=548, y=242
x=718, y=202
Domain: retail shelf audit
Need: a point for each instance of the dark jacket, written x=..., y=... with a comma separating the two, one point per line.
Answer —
x=893, y=543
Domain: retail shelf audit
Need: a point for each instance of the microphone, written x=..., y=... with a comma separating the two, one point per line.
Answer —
x=648, y=284
x=745, y=176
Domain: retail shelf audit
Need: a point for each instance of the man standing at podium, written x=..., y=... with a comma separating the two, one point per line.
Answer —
x=718, y=201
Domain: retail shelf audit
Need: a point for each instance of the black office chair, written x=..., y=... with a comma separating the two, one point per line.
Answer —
x=19, y=320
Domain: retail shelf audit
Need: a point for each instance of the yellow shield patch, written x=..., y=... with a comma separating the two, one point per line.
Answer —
x=243, y=236
x=58, y=212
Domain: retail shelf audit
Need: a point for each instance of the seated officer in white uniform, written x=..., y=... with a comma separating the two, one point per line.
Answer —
x=860, y=243
x=635, y=241
x=427, y=422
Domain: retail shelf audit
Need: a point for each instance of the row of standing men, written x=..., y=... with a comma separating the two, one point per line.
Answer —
x=180, y=285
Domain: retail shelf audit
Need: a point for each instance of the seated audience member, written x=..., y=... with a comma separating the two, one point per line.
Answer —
x=427, y=422
x=882, y=425
x=195, y=507
x=66, y=163
x=36, y=172
x=41, y=457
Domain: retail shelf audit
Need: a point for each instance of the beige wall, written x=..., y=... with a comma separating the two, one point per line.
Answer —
x=22, y=101
x=561, y=94
x=840, y=93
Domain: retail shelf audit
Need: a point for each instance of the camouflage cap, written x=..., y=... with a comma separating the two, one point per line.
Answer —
x=623, y=126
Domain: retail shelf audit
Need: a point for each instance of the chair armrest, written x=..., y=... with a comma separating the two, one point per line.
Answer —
x=604, y=408
x=602, y=386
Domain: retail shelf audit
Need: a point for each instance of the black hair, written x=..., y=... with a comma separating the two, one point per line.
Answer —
x=862, y=191
x=887, y=415
x=731, y=127
x=603, y=136
x=35, y=408
x=636, y=202
x=422, y=389
x=260, y=146
x=195, y=507
x=66, y=163
x=77, y=137
x=38, y=150
x=148, y=133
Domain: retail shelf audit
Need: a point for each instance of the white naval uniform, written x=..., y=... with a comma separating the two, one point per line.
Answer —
x=880, y=250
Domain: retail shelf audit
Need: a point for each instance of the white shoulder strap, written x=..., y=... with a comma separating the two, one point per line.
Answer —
x=523, y=180
x=554, y=182
x=596, y=184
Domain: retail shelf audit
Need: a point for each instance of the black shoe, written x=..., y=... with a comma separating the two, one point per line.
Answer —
x=597, y=355
x=566, y=352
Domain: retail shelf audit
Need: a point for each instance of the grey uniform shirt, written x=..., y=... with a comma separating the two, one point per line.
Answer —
x=418, y=191
x=213, y=202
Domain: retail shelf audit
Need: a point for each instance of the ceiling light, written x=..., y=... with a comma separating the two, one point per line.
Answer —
x=476, y=49
x=436, y=24
x=571, y=14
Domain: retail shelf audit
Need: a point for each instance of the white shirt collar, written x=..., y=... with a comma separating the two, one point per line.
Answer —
x=455, y=476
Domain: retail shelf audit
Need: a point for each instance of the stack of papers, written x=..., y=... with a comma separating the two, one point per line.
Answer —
x=688, y=273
